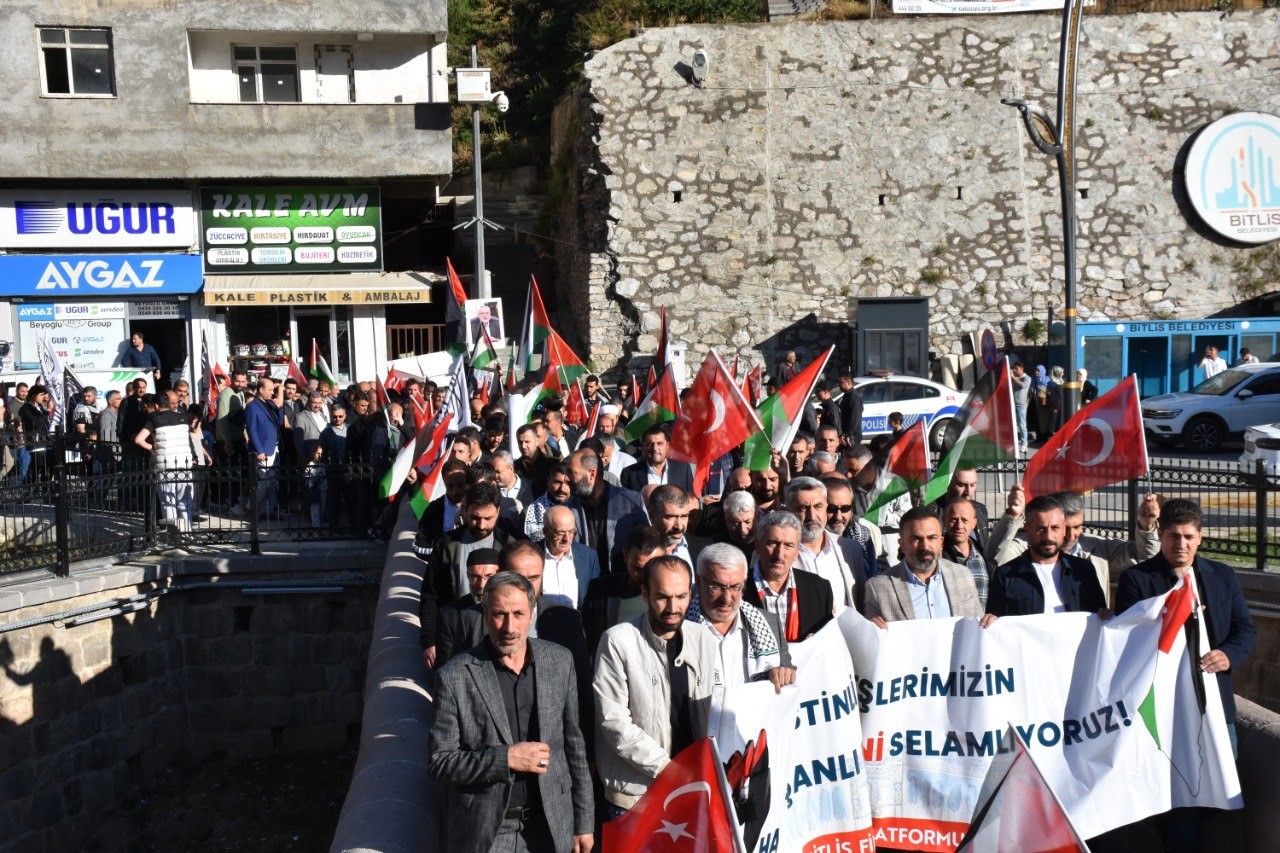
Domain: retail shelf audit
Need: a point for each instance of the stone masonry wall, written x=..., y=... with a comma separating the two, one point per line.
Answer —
x=823, y=162
x=97, y=715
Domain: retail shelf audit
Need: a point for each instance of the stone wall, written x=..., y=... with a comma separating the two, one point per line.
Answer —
x=824, y=162
x=95, y=715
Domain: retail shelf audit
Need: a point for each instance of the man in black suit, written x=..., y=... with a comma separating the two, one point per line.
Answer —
x=553, y=622
x=802, y=602
x=615, y=598
x=655, y=468
x=1223, y=620
x=669, y=509
x=850, y=411
x=484, y=319
x=461, y=621
x=964, y=484
x=1045, y=579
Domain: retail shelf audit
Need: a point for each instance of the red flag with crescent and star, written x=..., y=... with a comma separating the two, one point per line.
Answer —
x=684, y=810
x=715, y=418
x=1103, y=443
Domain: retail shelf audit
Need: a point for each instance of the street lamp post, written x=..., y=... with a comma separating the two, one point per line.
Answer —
x=1059, y=139
x=473, y=88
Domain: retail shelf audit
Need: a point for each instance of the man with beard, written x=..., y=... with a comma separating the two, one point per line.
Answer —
x=446, y=573
x=653, y=683
x=462, y=620
x=923, y=585
x=559, y=493
x=669, y=509
x=1109, y=556
x=1044, y=579
x=842, y=522
x=606, y=513
x=655, y=469
x=764, y=489
x=798, y=454
x=800, y=601
x=534, y=465
x=749, y=649
x=495, y=799
x=836, y=560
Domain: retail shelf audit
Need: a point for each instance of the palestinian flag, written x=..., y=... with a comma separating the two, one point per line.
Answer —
x=661, y=405
x=780, y=413
x=430, y=485
x=483, y=354
x=394, y=478
x=560, y=356
x=981, y=433
x=455, y=300
x=1179, y=605
x=511, y=370
x=537, y=326
x=319, y=367
x=906, y=467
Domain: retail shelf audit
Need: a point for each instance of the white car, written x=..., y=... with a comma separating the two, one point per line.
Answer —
x=1217, y=408
x=916, y=398
x=1261, y=443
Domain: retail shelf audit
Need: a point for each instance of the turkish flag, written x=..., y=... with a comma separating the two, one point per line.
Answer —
x=715, y=418
x=683, y=811
x=1103, y=443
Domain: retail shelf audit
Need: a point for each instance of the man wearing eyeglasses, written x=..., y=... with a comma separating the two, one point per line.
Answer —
x=747, y=638
x=567, y=566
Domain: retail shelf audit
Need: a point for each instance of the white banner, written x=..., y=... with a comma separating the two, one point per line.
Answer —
x=793, y=760
x=1112, y=721
x=97, y=219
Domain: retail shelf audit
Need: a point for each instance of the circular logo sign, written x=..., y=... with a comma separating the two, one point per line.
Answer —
x=990, y=357
x=1233, y=177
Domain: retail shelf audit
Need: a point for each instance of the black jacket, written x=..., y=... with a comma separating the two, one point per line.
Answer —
x=636, y=477
x=439, y=581
x=851, y=414
x=460, y=627
x=813, y=594
x=563, y=626
x=1230, y=628
x=600, y=608
x=1015, y=588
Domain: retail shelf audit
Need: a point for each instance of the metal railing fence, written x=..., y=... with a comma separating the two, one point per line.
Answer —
x=108, y=500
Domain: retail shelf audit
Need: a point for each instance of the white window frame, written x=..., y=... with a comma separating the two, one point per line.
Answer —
x=256, y=64
x=68, y=47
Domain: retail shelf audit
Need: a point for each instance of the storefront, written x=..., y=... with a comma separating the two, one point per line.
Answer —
x=288, y=265
x=89, y=268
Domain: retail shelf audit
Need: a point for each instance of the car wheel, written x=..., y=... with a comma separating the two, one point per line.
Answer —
x=1204, y=434
x=938, y=433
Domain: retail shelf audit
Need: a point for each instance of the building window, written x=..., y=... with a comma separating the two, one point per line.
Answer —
x=266, y=74
x=76, y=62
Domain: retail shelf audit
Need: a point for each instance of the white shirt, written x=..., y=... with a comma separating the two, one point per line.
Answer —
x=828, y=565
x=1050, y=575
x=735, y=664
x=513, y=492
x=682, y=551
x=559, y=578
x=656, y=479
x=1214, y=366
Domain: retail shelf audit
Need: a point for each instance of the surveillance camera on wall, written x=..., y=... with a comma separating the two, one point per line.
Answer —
x=501, y=102
x=700, y=63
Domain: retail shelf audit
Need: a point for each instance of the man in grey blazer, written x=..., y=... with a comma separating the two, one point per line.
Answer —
x=506, y=740
x=923, y=585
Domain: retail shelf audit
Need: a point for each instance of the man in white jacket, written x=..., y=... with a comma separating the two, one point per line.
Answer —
x=653, y=683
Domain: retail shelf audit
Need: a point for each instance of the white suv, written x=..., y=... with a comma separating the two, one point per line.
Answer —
x=1221, y=406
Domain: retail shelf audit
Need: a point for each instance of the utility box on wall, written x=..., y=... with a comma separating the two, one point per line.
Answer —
x=893, y=335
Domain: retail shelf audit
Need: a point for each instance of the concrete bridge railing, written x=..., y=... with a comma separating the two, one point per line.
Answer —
x=392, y=805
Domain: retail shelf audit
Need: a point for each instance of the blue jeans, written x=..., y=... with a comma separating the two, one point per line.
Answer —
x=1020, y=413
x=21, y=462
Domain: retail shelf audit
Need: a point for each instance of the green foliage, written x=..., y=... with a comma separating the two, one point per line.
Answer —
x=536, y=49
x=1033, y=330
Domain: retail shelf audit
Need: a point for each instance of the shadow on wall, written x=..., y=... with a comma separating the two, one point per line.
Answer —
x=79, y=723
x=809, y=337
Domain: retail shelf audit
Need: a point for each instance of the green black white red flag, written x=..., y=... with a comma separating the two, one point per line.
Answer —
x=981, y=433
x=906, y=467
x=779, y=415
x=319, y=367
x=661, y=405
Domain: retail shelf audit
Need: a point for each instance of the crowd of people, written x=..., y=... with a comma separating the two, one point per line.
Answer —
x=581, y=608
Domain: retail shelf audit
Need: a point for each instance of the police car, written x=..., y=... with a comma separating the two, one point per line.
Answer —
x=916, y=398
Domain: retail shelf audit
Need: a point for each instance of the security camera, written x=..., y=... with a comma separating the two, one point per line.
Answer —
x=501, y=102
x=700, y=62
